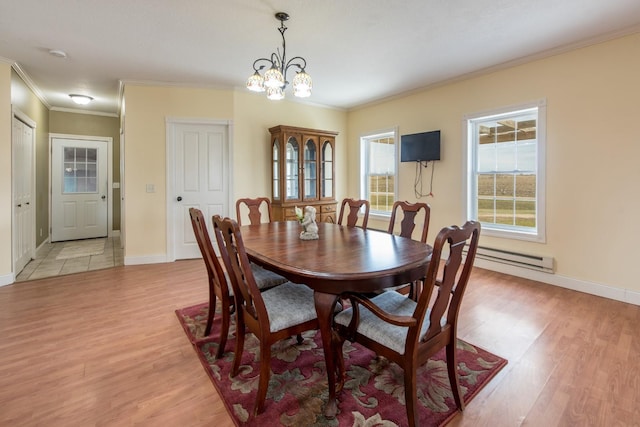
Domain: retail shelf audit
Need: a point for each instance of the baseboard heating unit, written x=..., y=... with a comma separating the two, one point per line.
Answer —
x=534, y=262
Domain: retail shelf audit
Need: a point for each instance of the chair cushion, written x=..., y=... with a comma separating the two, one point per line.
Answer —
x=266, y=278
x=378, y=330
x=289, y=304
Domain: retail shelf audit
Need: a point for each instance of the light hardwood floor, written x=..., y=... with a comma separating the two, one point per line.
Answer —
x=104, y=348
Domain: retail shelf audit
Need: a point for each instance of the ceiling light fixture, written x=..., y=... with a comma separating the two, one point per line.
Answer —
x=80, y=99
x=274, y=81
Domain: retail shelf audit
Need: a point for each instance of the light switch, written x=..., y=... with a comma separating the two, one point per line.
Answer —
x=116, y=185
x=151, y=188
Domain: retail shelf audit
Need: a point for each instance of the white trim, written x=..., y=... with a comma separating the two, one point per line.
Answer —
x=592, y=288
x=469, y=157
x=109, y=141
x=364, y=165
x=147, y=259
x=78, y=111
x=7, y=279
x=170, y=123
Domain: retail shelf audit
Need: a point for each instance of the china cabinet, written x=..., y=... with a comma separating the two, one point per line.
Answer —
x=302, y=172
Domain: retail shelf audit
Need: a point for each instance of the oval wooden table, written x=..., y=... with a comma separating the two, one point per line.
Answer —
x=342, y=259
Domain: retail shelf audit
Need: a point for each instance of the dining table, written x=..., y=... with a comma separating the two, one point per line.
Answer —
x=343, y=259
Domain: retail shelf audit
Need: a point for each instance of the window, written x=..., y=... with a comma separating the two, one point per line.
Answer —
x=379, y=170
x=505, y=170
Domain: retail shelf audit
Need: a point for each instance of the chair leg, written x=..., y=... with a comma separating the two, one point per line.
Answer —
x=265, y=374
x=452, y=369
x=411, y=395
x=224, y=329
x=240, y=331
x=212, y=313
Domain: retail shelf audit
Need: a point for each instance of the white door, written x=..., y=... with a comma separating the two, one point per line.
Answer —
x=199, y=170
x=79, y=184
x=22, y=137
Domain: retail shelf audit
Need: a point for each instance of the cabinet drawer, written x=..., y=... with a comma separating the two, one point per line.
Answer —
x=327, y=209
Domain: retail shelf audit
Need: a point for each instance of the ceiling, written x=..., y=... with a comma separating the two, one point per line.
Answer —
x=357, y=51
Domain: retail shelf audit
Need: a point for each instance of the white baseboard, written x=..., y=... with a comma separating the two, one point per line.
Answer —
x=605, y=291
x=7, y=279
x=152, y=259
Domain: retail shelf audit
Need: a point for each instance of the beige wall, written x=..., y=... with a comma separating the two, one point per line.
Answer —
x=147, y=107
x=592, y=152
x=62, y=122
x=5, y=174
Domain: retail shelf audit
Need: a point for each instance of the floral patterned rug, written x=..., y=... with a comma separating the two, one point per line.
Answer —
x=373, y=394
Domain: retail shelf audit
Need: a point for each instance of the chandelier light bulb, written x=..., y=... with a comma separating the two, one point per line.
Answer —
x=255, y=82
x=275, y=93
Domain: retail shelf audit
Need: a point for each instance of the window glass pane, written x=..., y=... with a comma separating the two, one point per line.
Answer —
x=91, y=185
x=487, y=158
x=486, y=185
x=526, y=213
x=504, y=212
x=485, y=210
x=506, y=156
x=504, y=185
x=525, y=186
x=69, y=154
x=92, y=155
x=81, y=155
x=526, y=156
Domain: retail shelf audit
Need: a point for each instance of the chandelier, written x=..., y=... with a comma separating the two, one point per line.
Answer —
x=274, y=80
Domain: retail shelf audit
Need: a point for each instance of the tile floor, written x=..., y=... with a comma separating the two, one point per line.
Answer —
x=46, y=263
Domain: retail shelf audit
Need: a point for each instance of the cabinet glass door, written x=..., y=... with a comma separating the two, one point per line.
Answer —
x=326, y=185
x=292, y=183
x=310, y=172
x=276, y=169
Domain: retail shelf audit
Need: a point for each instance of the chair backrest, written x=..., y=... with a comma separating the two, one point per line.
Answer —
x=255, y=207
x=408, y=223
x=214, y=269
x=452, y=284
x=354, y=207
x=236, y=261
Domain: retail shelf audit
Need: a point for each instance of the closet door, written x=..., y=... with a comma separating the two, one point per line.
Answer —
x=22, y=136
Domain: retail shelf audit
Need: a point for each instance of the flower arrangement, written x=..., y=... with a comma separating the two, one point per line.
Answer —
x=299, y=214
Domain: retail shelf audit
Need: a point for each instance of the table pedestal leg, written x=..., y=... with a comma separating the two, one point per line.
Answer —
x=325, y=304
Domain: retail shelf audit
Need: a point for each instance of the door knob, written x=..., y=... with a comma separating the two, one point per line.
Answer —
x=179, y=198
x=104, y=197
x=20, y=205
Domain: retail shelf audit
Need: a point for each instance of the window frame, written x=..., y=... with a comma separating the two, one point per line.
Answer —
x=537, y=233
x=364, y=166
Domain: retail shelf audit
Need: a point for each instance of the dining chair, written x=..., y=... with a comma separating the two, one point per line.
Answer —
x=271, y=315
x=408, y=332
x=254, y=209
x=218, y=285
x=410, y=212
x=351, y=218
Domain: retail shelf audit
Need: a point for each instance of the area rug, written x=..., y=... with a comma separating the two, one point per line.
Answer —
x=81, y=248
x=373, y=394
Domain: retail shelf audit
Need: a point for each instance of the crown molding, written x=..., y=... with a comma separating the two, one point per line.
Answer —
x=30, y=84
x=91, y=113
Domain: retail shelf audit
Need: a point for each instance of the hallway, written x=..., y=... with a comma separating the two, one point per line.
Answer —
x=56, y=259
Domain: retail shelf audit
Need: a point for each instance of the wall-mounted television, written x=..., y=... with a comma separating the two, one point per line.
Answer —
x=420, y=147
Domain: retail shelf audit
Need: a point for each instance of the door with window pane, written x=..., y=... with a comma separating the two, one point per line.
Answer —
x=78, y=189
